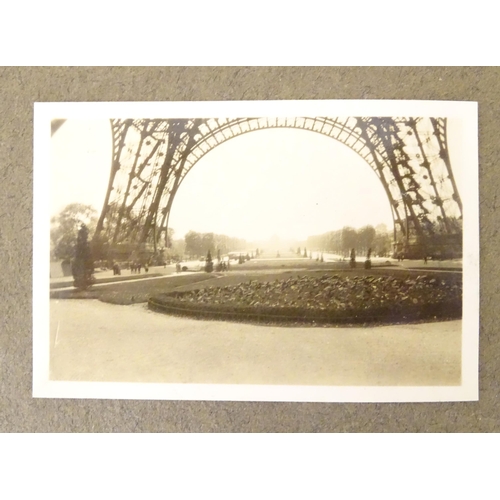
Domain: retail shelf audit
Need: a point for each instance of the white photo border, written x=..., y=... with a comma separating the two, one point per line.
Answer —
x=43, y=387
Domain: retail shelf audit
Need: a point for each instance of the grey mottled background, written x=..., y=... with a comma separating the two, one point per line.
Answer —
x=21, y=87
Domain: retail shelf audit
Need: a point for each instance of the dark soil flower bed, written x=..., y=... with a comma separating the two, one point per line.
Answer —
x=326, y=299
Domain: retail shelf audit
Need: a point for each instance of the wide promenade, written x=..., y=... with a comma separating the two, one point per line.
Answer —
x=94, y=341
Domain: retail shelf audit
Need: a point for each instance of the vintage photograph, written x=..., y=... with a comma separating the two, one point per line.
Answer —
x=282, y=251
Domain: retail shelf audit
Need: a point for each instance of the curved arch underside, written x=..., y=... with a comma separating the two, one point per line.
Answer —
x=151, y=157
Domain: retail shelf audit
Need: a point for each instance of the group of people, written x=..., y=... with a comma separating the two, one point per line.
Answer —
x=222, y=266
x=135, y=267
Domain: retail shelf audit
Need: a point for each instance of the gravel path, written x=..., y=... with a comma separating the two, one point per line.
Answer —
x=94, y=341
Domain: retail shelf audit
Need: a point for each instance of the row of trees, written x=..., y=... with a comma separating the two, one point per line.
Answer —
x=438, y=241
x=343, y=240
x=198, y=244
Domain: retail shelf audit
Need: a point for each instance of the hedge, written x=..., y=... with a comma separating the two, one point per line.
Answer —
x=169, y=303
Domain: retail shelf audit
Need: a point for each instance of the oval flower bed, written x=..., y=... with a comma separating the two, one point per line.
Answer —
x=327, y=299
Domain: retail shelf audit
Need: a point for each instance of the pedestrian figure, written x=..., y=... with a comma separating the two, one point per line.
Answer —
x=146, y=267
x=139, y=268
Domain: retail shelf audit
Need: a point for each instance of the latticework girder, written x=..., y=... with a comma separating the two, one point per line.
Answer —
x=151, y=157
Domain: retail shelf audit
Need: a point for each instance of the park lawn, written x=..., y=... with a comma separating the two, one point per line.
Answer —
x=131, y=291
x=110, y=279
x=140, y=291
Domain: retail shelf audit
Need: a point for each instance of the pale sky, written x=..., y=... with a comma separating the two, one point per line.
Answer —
x=284, y=182
x=80, y=164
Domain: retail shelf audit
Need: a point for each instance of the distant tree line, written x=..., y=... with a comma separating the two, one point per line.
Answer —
x=443, y=239
x=343, y=240
x=198, y=244
x=65, y=229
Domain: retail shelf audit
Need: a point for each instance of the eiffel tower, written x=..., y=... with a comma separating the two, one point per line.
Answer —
x=409, y=155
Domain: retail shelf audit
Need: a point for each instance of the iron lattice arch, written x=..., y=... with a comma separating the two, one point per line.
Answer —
x=151, y=157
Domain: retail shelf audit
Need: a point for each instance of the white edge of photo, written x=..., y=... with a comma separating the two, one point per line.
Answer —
x=464, y=112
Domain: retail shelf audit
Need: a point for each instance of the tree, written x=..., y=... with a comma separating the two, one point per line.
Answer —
x=194, y=245
x=366, y=235
x=178, y=248
x=65, y=228
x=368, y=261
x=383, y=244
x=83, y=265
x=208, y=242
x=352, y=260
x=209, y=265
x=381, y=228
x=349, y=239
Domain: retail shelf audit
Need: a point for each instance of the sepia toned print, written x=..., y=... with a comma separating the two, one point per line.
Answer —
x=268, y=252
